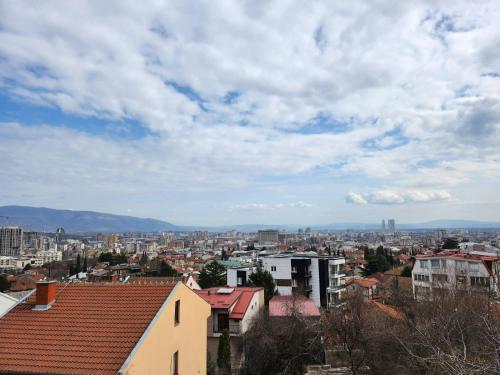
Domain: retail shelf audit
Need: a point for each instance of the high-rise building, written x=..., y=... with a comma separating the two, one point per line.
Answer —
x=267, y=236
x=392, y=225
x=383, y=225
x=11, y=241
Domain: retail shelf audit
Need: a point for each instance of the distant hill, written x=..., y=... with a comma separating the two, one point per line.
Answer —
x=48, y=219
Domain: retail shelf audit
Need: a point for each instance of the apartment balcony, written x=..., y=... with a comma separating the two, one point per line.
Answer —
x=335, y=288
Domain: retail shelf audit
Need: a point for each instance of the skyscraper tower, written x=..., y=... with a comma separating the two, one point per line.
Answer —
x=383, y=225
x=392, y=225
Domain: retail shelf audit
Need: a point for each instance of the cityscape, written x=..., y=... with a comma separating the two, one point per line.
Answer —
x=249, y=187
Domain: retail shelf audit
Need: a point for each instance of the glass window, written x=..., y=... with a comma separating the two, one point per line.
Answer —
x=175, y=363
x=435, y=263
x=424, y=264
x=473, y=267
x=177, y=311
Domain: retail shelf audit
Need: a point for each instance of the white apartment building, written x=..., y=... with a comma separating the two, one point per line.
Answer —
x=454, y=270
x=320, y=278
x=49, y=256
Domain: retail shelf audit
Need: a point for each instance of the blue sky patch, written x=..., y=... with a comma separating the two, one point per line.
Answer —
x=189, y=93
x=32, y=115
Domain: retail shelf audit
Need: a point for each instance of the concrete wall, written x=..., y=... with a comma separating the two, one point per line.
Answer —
x=188, y=337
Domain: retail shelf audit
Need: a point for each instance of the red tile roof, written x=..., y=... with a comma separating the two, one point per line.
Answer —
x=91, y=329
x=280, y=306
x=239, y=299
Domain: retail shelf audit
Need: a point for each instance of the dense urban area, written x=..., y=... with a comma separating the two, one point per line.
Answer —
x=272, y=302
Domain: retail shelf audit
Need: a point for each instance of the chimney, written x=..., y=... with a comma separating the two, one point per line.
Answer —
x=45, y=294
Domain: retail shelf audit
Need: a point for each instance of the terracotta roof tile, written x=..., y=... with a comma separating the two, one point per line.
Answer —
x=91, y=329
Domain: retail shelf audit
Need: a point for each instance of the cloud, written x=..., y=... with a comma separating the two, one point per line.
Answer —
x=274, y=206
x=404, y=96
x=355, y=198
x=385, y=197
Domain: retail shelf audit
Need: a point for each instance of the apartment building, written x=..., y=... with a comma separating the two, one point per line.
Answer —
x=267, y=236
x=455, y=270
x=11, y=241
x=320, y=278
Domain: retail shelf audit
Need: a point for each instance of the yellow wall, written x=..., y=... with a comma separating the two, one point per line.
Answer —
x=189, y=337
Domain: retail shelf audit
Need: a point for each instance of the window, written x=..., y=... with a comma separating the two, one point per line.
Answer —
x=443, y=263
x=177, y=311
x=435, y=263
x=437, y=278
x=461, y=264
x=294, y=283
x=418, y=277
x=175, y=363
x=273, y=268
x=473, y=267
x=222, y=322
x=424, y=264
x=479, y=281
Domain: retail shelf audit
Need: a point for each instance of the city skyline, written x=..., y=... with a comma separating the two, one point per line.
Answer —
x=178, y=112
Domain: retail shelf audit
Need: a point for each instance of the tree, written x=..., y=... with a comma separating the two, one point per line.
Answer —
x=406, y=272
x=450, y=243
x=211, y=368
x=106, y=257
x=144, y=259
x=78, y=267
x=167, y=270
x=282, y=346
x=213, y=274
x=27, y=267
x=264, y=279
x=85, y=266
x=224, y=353
x=4, y=283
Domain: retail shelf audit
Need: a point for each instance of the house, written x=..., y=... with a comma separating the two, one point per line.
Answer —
x=232, y=309
x=282, y=306
x=455, y=270
x=106, y=328
x=367, y=286
x=320, y=278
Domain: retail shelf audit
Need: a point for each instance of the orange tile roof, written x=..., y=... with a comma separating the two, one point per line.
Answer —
x=91, y=329
x=390, y=311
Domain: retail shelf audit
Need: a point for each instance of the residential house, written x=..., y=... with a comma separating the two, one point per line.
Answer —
x=232, y=309
x=106, y=328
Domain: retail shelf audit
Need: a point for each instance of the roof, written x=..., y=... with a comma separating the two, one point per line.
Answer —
x=366, y=282
x=90, y=328
x=221, y=298
x=456, y=255
x=390, y=311
x=280, y=306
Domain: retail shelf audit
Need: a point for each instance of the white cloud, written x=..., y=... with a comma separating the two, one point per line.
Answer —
x=355, y=198
x=386, y=197
x=273, y=206
x=411, y=92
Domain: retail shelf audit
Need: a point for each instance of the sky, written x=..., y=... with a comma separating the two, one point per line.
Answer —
x=238, y=112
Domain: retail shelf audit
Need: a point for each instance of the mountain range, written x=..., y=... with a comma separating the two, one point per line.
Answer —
x=48, y=219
